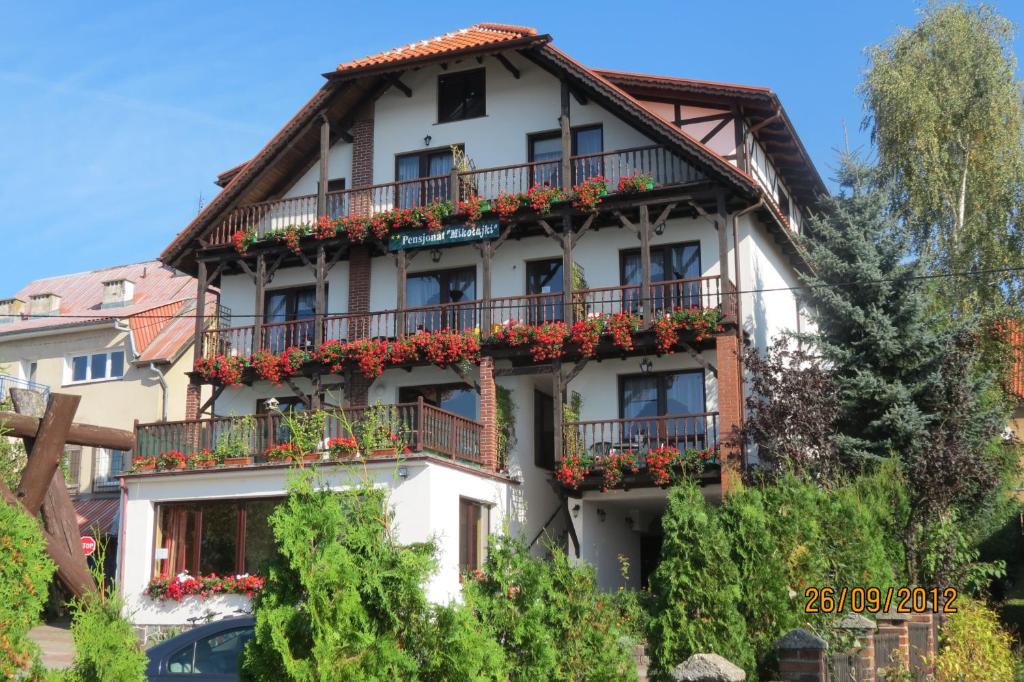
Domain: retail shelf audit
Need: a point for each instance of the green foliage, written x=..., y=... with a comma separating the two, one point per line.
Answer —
x=238, y=440
x=696, y=587
x=25, y=571
x=549, y=616
x=380, y=429
x=945, y=110
x=343, y=600
x=973, y=646
x=505, y=416
x=12, y=458
x=106, y=648
x=305, y=429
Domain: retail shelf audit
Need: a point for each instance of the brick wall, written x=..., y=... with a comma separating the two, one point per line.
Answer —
x=357, y=388
x=193, y=396
x=730, y=406
x=488, y=415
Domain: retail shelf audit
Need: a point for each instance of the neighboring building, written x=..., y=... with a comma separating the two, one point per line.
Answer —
x=730, y=186
x=119, y=337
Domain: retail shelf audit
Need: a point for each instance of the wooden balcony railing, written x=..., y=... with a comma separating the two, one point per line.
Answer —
x=642, y=434
x=465, y=316
x=664, y=167
x=420, y=425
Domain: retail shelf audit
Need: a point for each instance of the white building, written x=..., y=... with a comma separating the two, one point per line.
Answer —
x=728, y=185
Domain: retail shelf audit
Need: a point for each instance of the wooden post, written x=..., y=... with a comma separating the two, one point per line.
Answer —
x=645, y=267
x=721, y=224
x=567, y=270
x=564, y=122
x=739, y=135
x=402, y=261
x=261, y=283
x=47, y=450
x=320, y=304
x=453, y=186
x=556, y=389
x=486, y=314
x=201, y=285
x=325, y=150
x=419, y=424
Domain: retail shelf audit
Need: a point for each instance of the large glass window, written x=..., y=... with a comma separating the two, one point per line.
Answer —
x=95, y=367
x=459, y=399
x=669, y=264
x=461, y=95
x=442, y=299
x=435, y=166
x=298, y=305
x=220, y=536
x=546, y=153
x=107, y=464
x=664, y=408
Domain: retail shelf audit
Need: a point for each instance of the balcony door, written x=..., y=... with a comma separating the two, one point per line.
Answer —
x=296, y=305
x=436, y=164
x=669, y=264
x=441, y=299
x=654, y=406
x=546, y=154
x=544, y=284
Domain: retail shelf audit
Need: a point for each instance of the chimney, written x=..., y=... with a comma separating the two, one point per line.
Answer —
x=44, y=304
x=117, y=292
x=10, y=309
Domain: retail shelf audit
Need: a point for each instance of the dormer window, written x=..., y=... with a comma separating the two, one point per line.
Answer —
x=118, y=292
x=44, y=305
x=10, y=309
x=461, y=95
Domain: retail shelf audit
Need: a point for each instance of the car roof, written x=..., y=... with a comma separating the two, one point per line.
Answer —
x=157, y=652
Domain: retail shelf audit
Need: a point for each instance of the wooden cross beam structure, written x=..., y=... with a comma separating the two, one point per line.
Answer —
x=42, y=489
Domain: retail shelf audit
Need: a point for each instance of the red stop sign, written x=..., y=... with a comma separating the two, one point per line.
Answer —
x=88, y=545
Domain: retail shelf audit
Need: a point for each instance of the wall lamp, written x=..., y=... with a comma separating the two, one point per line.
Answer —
x=575, y=511
x=659, y=229
x=426, y=141
x=403, y=472
x=435, y=255
x=601, y=515
x=646, y=366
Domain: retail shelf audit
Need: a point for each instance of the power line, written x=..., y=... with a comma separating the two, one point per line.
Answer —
x=495, y=307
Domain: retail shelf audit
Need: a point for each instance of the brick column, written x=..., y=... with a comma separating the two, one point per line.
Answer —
x=864, y=630
x=893, y=623
x=730, y=409
x=488, y=415
x=357, y=388
x=931, y=648
x=803, y=657
x=193, y=397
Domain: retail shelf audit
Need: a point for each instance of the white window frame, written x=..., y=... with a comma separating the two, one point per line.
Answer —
x=69, y=367
x=102, y=463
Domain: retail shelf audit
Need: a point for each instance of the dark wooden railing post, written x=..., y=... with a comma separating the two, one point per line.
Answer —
x=261, y=282
x=721, y=223
x=321, y=297
x=420, y=424
x=402, y=261
x=559, y=405
x=454, y=190
x=568, y=269
x=487, y=249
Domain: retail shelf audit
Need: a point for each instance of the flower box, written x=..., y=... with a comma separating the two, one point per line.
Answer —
x=204, y=463
x=312, y=457
x=237, y=461
x=145, y=466
x=384, y=452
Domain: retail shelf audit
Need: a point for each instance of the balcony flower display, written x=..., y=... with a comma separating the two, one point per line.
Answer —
x=701, y=321
x=176, y=588
x=343, y=447
x=633, y=184
x=433, y=215
x=586, y=334
x=172, y=460
x=203, y=459
x=616, y=464
x=243, y=239
x=506, y=205
x=292, y=359
x=446, y=348
x=587, y=195
x=144, y=463
x=332, y=355
x=325, y=228
x=356, y=227
x=370, y=356
x=546, y=341
x=573, y=468
x=472, y=208
x=661, y=463
x=223, y=369
x=267, y=366
x=283, y=452
x=621, y=327
x=542, y=197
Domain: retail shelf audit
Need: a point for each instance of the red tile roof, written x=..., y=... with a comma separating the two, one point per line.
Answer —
x=177, y=334
x=478, y=35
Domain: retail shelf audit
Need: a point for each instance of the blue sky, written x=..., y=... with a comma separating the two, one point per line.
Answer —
x=116, y=117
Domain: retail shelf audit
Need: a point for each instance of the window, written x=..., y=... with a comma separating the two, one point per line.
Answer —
x=441, y=299
x=668, y=264
x=107, y=464
x=459, y=399
x=461, y=95
x=647, y=399
x=216, y=654
x=337, y=204
x=435, y=166
x=282, y=434
x=95, y=367
x=296, y=304
x=544, y=277
x=71, y=465
x=546, y=150
x=474, y=525
x=224, y=537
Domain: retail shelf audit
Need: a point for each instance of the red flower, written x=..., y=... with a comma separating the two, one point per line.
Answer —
x=572, y=469
x=267, y=366
x=588, y=194
x=506, y=205
x=224, y=369
x=325, y=228
x=541, y=197
x=638, y=182
x=283, y=452
x=586, y=333
x=472, y=207
x=615, y=466
x=621, y=327
x=661, y=463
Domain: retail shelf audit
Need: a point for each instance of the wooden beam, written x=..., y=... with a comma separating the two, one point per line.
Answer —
x=402, y=261
x=24, y=426
x=567, y=269
x=577, y=368
x=509, y=66
x=564, y=122
x=396, y=81
x=468, y=380
x=335, y=257
x=347, y=136
x=47, y=450
x=296, y=390
x=714, y=131
x=699, y=358
x=663, y=216
x=724, y=116
x=579, y=96
x=261, y=290
x=721, y=221
x=487, y=251
x=325, y=151
x=200, y=329
x=559, y=402
x=320, y=304
x=217, y=390
x=549, y=230
x=585, y=227
x=626, y=222
x=272, y=268
x=524, y=370
x=247, y=269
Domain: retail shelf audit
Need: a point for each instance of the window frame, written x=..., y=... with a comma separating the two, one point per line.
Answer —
x=662, y=389
x=482, y=71
x=110, y=482
x=445, y=285
x=555, y=134
x=479, y=552
x=69, y=367
x=666, y=259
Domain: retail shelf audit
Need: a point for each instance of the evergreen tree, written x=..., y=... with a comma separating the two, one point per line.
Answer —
x=874, y=329
x=696, y=587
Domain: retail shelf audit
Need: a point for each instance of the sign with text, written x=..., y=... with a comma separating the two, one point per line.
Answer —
x=450, y=234
x=88, y=545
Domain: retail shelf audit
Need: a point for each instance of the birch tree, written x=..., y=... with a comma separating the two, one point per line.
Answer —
x=945, y=111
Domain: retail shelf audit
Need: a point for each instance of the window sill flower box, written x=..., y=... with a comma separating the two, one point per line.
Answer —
x=384, y=452
x=237, y=461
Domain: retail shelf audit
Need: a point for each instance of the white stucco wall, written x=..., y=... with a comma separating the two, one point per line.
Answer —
x=769, y=307
x=425, y=504
x=238, y=292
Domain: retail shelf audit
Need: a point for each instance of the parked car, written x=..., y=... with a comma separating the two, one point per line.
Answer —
x=208, y=652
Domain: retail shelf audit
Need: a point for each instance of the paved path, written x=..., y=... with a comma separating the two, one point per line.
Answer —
x=54, y=639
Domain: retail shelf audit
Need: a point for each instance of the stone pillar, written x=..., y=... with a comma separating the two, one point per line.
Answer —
x=803, y=657
x=730, y=409
x=488, y=415
x=864, y=630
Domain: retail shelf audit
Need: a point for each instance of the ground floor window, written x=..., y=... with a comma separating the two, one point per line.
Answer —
x=474, y=523
x=220, y=536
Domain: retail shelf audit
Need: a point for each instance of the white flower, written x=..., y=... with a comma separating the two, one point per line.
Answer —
x=184, y=577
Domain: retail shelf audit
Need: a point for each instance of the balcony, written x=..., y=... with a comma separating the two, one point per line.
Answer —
x=598, y=439
x=422, y=427
x=8, y=382
x=665, y=168
x=467, y=316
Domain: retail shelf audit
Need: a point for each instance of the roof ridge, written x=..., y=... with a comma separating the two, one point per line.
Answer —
x=506, y=28
x=683, y=79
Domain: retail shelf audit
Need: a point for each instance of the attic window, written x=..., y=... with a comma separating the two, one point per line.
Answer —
x=461, y=96
x=10, y=309
x=44, y=305
x=117, y=292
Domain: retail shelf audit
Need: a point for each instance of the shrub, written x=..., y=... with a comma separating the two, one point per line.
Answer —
x=696, y=587
x=549, y=616
x=973, y=646
x=25, y=572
